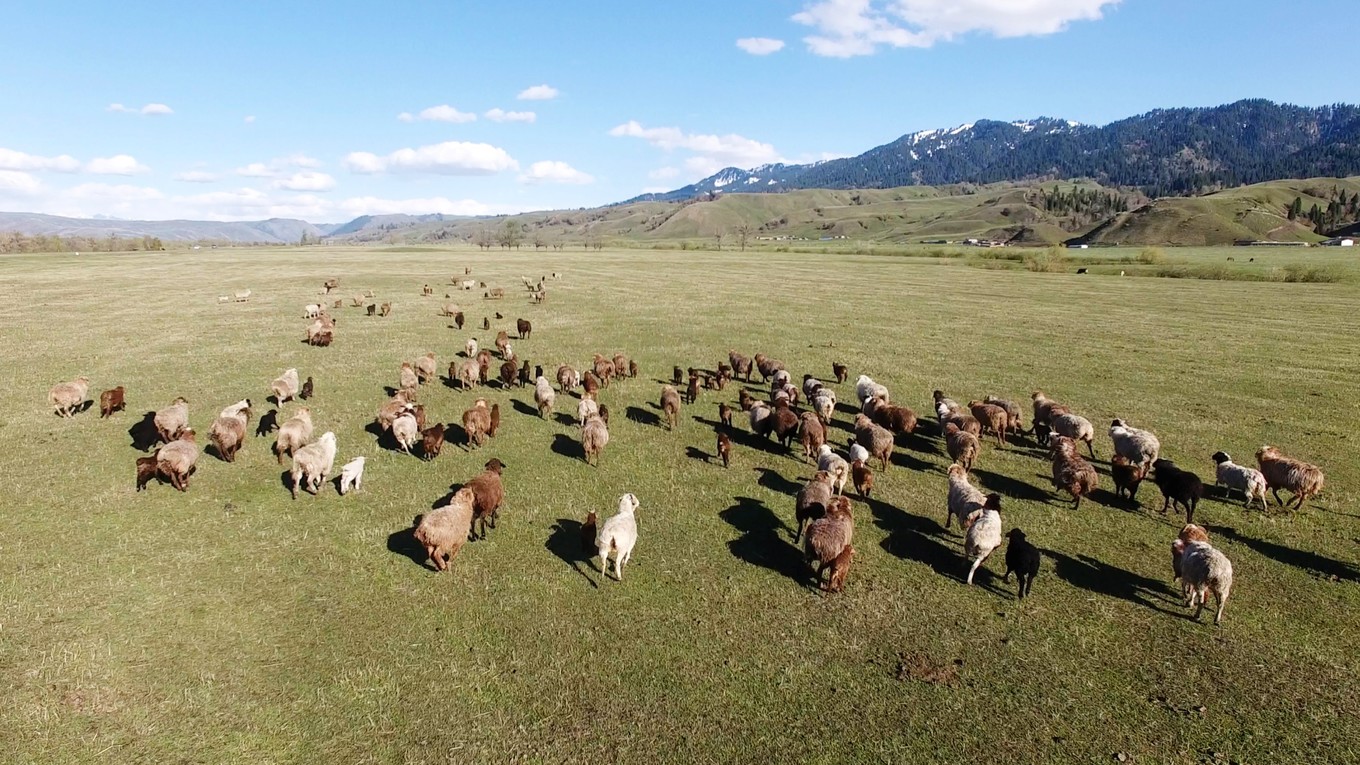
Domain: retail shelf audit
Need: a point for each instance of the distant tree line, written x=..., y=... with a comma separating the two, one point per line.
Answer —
x=14, y=241
x=1341, y=208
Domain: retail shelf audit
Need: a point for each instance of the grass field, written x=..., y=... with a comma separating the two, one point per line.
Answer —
x=232, y=624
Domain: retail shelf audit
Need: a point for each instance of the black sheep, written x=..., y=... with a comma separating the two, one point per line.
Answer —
x=1179, y=487
x=1022, y=558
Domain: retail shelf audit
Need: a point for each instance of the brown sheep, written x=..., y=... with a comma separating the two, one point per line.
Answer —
x=111, y=401
x=458, y=320
x=677, y=376
x=725, y=414
x=294, y=434
x=502, y=340
x=408, y=379
x=509, y=372
x=385, y=310
x=372, y=309
x=963, y=421
x=784, y=422
x=811, y=502
x=488, y=492
x=426, y=370
x=486, y=323
x=588, y=531
x=308, y=389
x=525, y=376
x=391, y=410
x=811, y=433
x=330, y=284
x=840, y=568
x=724, y=448
x=338, y=304
x=1071, y=473
x=444, y=530
x=841, y=372
x=523, y=328
x=431, y=441
x=963, y=447
x=862, y=477
x=1045, y=409
x=1127, y=476
x=829, y=536
x=483, y=365
x=898, y=419
x=146, y=471
x=594, y=438
x=496, y=420
x=745, y=399
x=670, y=405
x=877, y=440
x=228, y=431
x=692, y=390
x=567, y=378
x=604, y=369
x=177, y=459
x=477, y=422
x=741, y=365
x=766, y=366
x=1298, y=478
x=620, y=365
x=991, y=417
x=633, y=369
x=590, y=383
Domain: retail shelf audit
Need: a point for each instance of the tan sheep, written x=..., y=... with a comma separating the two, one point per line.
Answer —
x=172, y=420
x=444, y=530
x=408, y=380
x=992, y=417
x=177, y=459
x=544, y=397
x=67, y=398
x=963, y=447
x=878, y=440
x=426, y=369
x=228, y=431
x=314, y=463
x=294, y=434
x=1297, y=477
x=285, y=386
x=594, y=437
x=1071, y=473
x=477, y=422
x=670, y=405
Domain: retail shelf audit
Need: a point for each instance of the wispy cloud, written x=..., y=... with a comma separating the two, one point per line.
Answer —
x=448, y=158
x=555, y=172
x=760, y=46
x=276, y=167
x=14, y=183
x=538, y=93
x=18, y=160
x=118, y=164
x=710, y=152
x=149, y=110
x=500, y=115
x=249, y=119
x=441, y=113
x=307, y=180
x=196, y=176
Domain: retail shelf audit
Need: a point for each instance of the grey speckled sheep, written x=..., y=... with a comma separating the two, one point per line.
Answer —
x=1141, y=447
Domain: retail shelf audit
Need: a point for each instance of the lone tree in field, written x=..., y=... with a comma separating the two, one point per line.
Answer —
x=484, y=239
x=718, y=236
x=743, y=233
x=510, y=235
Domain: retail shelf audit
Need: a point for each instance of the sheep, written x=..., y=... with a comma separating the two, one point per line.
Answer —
x=878, y=440
x=176, y=460
x=857, y=452
x=285, y=386
x=408, y=380
x=426, y=291
x=841, y=372
x=621, y=365
x=829, y=536
x=544, y=397
x=781, y=378
x=172, y=420
x=810, y=386
x=111, y=401
x=865, y=387
x=357, y=301
x=898, y=419
x=1205, y=569
x=741, y=365
x=963, y=500
x=470, y=347
x=588, y=532
x=963, y=447
x=458, y=321
x=984, y=533
x=692, y=391
x=761, y=424
x=991, y=417
x=745, y=400
x=766, y=366
x=811, y=502
x=567, y=378
x=962, y=420
x=391, y=410
x=618, y=534
x=604, y=369
x=1045, y=409
x=496, y=419
x=311, y=310
x=1139, y=446
x=811, y=434
x=587, y=408
x=670, y=405
x=425, y=368
x=824, y=404
x=431, y=441
x=1075, y=427
x=508, y=373
x=385, y=310
x=633, y=370
x=1179, y=487
x=594, y=437
x=724, y=448
x=477, y=422
x=1041, y=433
x=524, y=374
x=502, y=340
x=834, y=464
x=352, y=476
x=229, y=429
x=1127, y=476
x=295, y=433
x=308, y=389
x=269, y=422
x=330, y=284
x=677, y=376
x=488, y=492
x=444, y=530
x=1298, y=478
x=863, y=478
x=725, y=414
x=1071, y=473
x=590, y=383
x=1189, y=533
x=950, y=405
x=1012, y=411
x=146, y=471
x=784, y=423
x=1250, y=481
x=840, y=569
x=523, y=328
x=1022, y=558
x=406, y=430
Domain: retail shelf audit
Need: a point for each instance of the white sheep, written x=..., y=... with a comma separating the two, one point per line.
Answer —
x=858, y=452
x=1077, y=428
x=544, y=396
x=406, y=431
x=352, y=476
x=1139, y=447
x=835, y=466
x=865, y=387
x=314, y=462
x=984, y=533
x=1250, y=481
x=618, y=534
x=285, y=386
x=311, y=310
x=963, y=499
x=824, y=403
x=1205, y=569
x=470, y=347
x=585, y=410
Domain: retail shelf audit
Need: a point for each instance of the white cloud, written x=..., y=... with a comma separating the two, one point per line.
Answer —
x=196, y=176
x=846, y=28
x=274, y=168
x=16, y=183
x=257, y=170
x=448, y=158
x=711, y=152
x=149, y=110
x=441, y=113
x=307, y=180
x=119, y=108
x=118, y=164
x=538, y=93
x=356, y=206
x=500, y=115
x=663, y=173
x=555, y=172
x=18, y=160
x=655, y=189
x=249, y=119
x=298, y=160
x=760, y=46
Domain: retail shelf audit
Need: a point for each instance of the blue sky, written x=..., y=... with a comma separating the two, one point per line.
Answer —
x=256, y=110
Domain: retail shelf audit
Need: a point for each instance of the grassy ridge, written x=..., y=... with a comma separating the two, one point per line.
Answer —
x=231, y=623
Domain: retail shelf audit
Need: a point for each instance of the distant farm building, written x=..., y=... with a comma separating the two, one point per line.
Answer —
x=1340, y=241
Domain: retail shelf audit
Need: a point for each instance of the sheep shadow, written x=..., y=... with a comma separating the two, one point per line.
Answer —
x=383, y=438
x=1308, y=561
x=569, y=447
x=912, y=537
x=269, y=422
x=403, y=542
x=773, y=481
x=761, y=542
x=143, y=433
x=911, y=462
x=562, y=418
x=524, y=407
x=696, y=453
x=642, y=416
x=1012, y=487
x=1101, y=578
x=746, y=438
x=565, y=543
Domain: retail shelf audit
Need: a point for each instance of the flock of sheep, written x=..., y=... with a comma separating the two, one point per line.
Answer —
x=823, y=513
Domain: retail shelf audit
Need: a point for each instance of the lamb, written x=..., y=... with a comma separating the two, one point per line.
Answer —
x=425, y=368
x=523, y=328
x=588, y=532
x=984, y=533
x=811, y=502
x=294, y=434
x=567, y=378
x=407, y=381
x=177, y=459
x=724, y=448
x=1127, y=476
x=1298, y=478
x=879, y=441
x=766, y=366
x=863, y=478
x=311, y=310
x=269, y=422
x=964, y=499
x=1045, y=409
x=308, y=389
x=835, y=465
x=431, y=441
x=285, y=386
x=1139, y=446
x=477, y=422
x=829, y=536
x=811, y=434
x=677, y=376
x=824, y=404
x=587, y=408
x=488, y=492
x=146, y=471
x=991, y=417
x=740, y=365
x=444, y=530
x=725, y=414
x=111, y=401
x=1205, y=569
x=1075, y=427
x=1189, y=533
x=1249, y=481
x=229, y=429
x=963, y=447
x=1071, y=473
x=692, y=392
x=633, y=371
x=745, y=400
x=865, y=387
x=1179, y=487
x=857, y=452
x=840, y=568
x=352, y=476
x=1022, y=558
x=670, y=405
x=841, y=372
x=594, y=437
x=524, y=374
x=619, y=535
x=172, y=420
x=470, y=348
x=544, y=397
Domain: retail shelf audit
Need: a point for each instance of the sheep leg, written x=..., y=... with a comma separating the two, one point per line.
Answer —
x=1278, y=501
x=1222, y=598
x=976, y=563
x=1077, y=501
x=1091, y=449
x=1200, y=595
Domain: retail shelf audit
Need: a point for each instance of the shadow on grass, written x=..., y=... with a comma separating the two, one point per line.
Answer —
x=403, y=542
x=564, y=419
x=565, y=542
x=143, y=432
x=524, y=407
x=761, y=542
x=269, y=422
x=569, y=447
x=746, y=438
x=696, y=453
x=910, y=462
x=1308, y=561
x=383, y=438
x=642, y=416
x=911, y=537
x=1101, y=578
x=1012, y=487
x=773, y=481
